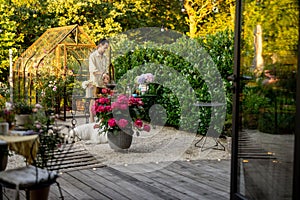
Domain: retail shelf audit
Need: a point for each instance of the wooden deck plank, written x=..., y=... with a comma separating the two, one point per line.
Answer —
x=185, y=186
x=201, y=179
x=105, y=178
x=205, y=171
x=211, y=182
x=156, y=192
x=88, y=177
x=170, y=175
x=73, y=188
x=165, y=184
x=136, y=188
x=166, y=188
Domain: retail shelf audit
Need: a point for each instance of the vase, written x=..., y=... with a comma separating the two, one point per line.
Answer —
x=143, y=88
x=4, y=127
x=120, y=140
x=89, y=92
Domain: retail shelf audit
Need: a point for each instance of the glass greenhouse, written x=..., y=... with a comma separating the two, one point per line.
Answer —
x=54, y=65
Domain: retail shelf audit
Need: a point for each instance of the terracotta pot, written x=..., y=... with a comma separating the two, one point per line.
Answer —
x=40, y=194
x=119, y=140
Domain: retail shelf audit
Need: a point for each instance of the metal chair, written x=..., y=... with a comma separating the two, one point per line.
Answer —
x=34, y=177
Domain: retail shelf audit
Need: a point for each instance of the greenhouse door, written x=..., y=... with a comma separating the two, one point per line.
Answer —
x=266, y=113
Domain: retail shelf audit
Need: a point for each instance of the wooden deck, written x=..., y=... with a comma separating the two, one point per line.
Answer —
x=201, y=180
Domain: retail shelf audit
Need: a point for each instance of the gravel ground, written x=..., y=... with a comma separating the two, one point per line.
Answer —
x=160, y=144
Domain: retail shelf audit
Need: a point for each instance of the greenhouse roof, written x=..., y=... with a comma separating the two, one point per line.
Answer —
x=72, y=36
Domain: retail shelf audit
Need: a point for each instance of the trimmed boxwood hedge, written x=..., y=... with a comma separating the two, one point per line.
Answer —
x=216, y=48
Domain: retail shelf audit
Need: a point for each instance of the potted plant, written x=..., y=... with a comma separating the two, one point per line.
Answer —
x=49, y=141
x=88, y=86
x=119, y=116
x=23, y=111
x=42, y=123
x=142, y=82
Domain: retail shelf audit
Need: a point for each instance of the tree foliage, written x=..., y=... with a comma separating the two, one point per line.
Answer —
x=208, y=16
x=279, y=21
x=23, y=21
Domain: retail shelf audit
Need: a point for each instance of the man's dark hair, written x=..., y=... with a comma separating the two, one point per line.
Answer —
x=103, y=41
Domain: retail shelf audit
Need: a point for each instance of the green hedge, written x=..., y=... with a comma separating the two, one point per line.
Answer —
x=171, y=94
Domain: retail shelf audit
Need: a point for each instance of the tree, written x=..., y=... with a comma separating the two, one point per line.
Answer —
x=208, y=16
x=9, y=37
x=279, y=22
x=23, y=21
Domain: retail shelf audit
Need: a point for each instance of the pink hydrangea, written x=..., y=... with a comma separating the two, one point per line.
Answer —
x=100, y=109
x=122, y=123
x=108, y=108
x=122, y=99
x=103, y=100
x=123, y=106
x=115, y=105
x=112, y=122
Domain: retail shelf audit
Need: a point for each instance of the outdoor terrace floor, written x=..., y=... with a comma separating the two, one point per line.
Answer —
x=198, y=179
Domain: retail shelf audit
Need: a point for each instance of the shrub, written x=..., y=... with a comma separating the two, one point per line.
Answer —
x=219, y=47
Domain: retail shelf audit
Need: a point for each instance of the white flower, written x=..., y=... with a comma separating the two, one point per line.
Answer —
x=8, y=106
x=144, y=78
x=85, y=84
x=38, y=106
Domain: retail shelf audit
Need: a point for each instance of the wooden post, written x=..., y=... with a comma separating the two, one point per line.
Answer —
x=11, y=93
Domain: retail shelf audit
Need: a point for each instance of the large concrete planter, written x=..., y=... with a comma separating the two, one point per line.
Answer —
x=23, y=119
x=119, y=140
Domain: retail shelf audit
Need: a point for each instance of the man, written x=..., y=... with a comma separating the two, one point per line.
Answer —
x=98, y=68
x=98, y=63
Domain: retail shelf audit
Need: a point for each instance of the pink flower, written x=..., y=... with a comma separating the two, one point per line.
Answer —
x=135, y=101
x=122, y=123
x=138, y=123
x=103, y=100
x=146, y=128
x=115, y=105
x=38, y=126
x=122, y=99
x=123, y=106
x=108, y=108
x=100, y=109
x=112, y=122
x=38, y=106
x=54, y=88
x=140, y=103
x=105, y=91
